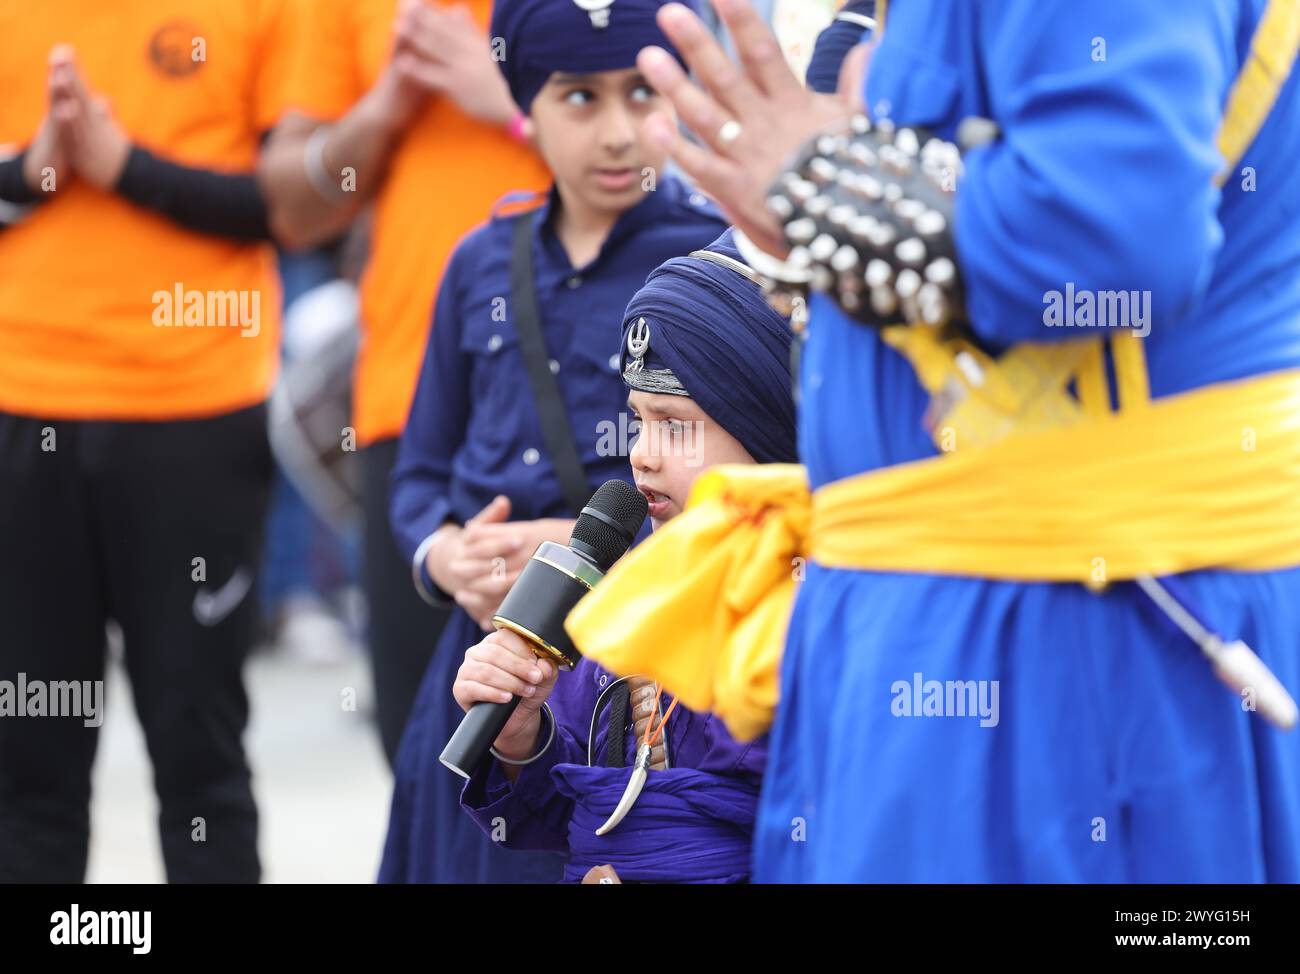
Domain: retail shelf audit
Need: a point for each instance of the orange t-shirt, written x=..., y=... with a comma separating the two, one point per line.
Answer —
x=96, y=293
x=443, y=178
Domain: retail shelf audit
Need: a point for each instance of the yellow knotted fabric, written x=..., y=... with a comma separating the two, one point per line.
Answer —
x=1038, y=481
x=707, y=598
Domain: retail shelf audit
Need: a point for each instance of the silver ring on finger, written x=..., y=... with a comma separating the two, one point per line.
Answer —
x=729, y=132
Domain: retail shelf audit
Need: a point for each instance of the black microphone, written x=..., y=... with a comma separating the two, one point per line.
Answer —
x=551, y=584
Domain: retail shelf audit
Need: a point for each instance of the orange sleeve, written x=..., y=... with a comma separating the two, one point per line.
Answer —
x=324, y=75
x=273, y=30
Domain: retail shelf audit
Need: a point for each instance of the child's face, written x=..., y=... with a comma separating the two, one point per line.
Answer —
x=677, y=443
x=588, y=129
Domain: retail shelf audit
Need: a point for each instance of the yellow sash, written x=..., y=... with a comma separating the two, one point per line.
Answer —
x=1039, y=483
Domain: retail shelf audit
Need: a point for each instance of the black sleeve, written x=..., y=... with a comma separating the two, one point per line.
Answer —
x=13, y=187
x=221, y=204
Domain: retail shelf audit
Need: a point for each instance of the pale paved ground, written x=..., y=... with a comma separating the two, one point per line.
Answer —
x=321, y=781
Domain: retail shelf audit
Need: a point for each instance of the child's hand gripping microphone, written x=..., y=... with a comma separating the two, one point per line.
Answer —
x=551, y=584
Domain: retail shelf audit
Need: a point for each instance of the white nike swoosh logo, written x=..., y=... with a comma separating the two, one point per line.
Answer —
x=211, y=607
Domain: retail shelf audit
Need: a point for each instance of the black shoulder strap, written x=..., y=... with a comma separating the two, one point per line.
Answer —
x=546, y=393
x=616, y=739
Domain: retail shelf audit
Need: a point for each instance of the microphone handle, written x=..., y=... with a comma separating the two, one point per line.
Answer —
x=483, y=724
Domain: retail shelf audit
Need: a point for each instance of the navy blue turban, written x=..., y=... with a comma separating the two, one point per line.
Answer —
x=704, y=330
x=848, y=30
x=573, y=36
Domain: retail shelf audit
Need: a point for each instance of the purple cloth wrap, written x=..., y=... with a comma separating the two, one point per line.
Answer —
x=687, y=826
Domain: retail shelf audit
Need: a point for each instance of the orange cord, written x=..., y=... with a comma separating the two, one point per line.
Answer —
x=649, y=740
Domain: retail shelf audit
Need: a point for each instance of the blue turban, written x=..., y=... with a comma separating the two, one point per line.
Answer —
x=704, y=330
x=574, y=36
x=849, y=29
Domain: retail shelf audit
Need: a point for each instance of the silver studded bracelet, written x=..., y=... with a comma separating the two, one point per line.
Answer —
x=868, y=218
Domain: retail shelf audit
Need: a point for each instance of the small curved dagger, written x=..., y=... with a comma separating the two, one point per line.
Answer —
x=633, y=791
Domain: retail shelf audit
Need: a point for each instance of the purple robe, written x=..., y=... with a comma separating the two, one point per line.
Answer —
x=692, y=823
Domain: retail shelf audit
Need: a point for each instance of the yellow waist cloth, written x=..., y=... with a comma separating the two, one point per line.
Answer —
x=1206, y=479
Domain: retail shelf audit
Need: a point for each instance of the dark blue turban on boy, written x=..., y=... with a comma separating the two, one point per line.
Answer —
x=573, y=36
x=703, y=329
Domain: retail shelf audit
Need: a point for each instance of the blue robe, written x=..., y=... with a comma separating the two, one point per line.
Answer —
x=1116, y=755
x=473, y=433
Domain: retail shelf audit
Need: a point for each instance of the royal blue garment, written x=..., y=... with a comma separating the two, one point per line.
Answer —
x=541, y=37
x=473, y=433
x=1116, y=755
x=692, y=824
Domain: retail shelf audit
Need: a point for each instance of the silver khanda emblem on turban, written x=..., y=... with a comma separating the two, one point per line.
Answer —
x=597, y=10
x=638, y=343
